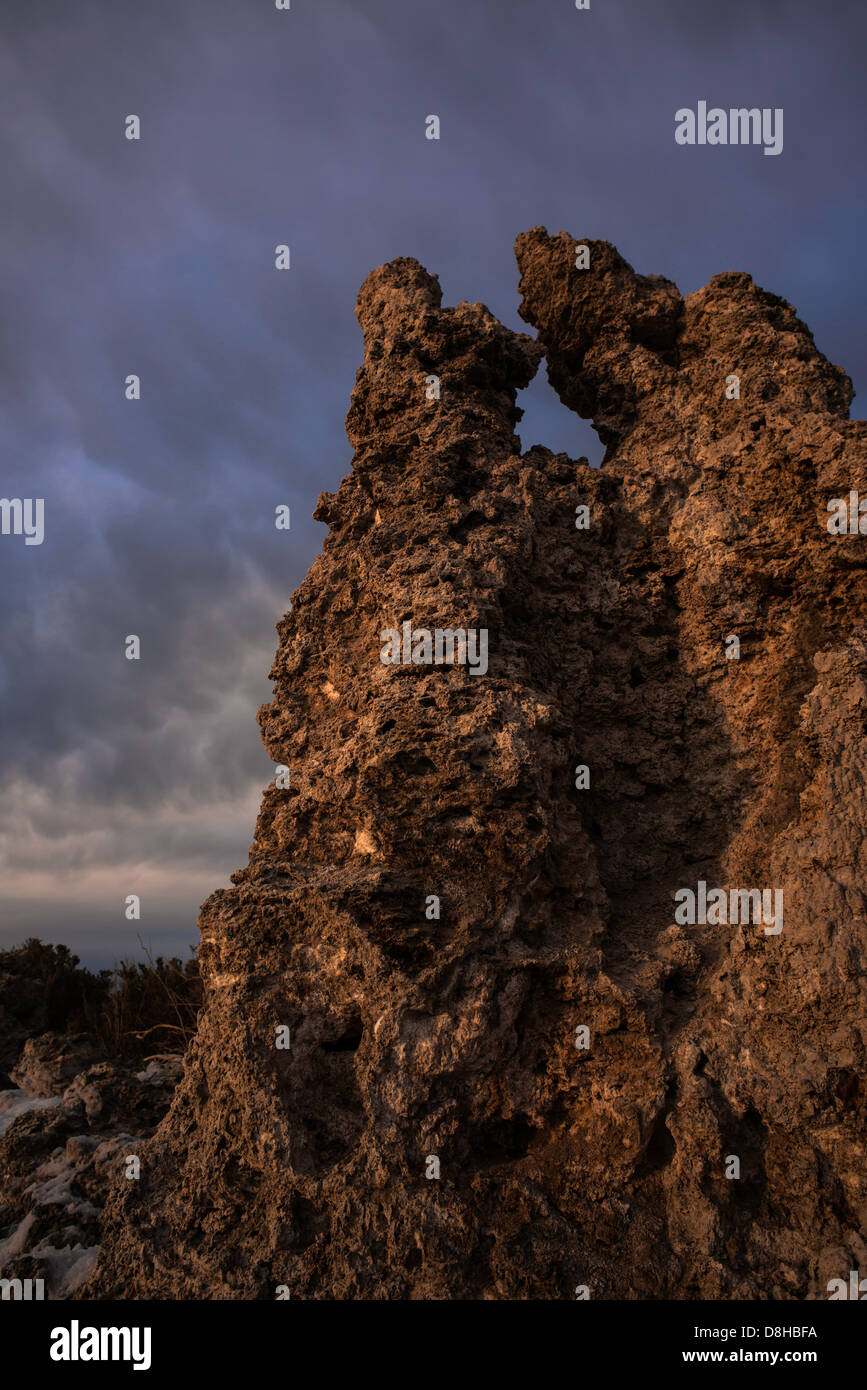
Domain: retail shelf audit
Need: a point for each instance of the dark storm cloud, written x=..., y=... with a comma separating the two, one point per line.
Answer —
x=306, y=127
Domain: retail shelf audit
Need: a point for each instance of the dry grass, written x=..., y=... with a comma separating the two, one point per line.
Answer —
x=140, y=1009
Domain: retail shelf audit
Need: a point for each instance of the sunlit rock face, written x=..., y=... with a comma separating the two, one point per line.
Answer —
x=464, y=1036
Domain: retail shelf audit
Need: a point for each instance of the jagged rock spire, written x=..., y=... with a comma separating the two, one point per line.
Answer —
x=511, y=1070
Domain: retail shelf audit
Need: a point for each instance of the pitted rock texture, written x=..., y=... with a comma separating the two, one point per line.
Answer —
x=560, y=1166
x=60, y=1150
x=51, y=1061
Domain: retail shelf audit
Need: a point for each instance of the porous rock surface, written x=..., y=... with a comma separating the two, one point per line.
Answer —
x=64, y=1136
x=49, y=1063
x=600, y=1168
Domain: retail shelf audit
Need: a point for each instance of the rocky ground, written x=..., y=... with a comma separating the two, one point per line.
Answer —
x=69, y=1122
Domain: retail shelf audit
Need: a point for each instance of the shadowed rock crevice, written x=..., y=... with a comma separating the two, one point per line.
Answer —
x=455, y=1032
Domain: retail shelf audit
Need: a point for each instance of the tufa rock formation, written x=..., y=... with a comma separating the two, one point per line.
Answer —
x=605, y=1167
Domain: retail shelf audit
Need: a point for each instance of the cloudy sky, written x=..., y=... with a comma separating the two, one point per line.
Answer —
x=156, y=257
